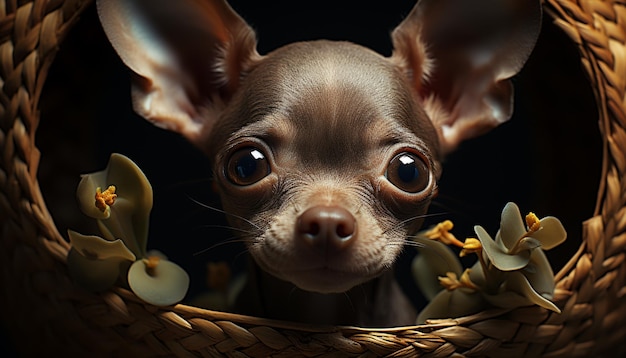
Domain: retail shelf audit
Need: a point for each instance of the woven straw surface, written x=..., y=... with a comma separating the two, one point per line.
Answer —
x=48, y=314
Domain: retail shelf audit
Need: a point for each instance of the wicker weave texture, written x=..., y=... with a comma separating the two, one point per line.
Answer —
x=48, y=314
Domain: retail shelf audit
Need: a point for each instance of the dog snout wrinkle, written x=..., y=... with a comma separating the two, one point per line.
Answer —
x=329, y=229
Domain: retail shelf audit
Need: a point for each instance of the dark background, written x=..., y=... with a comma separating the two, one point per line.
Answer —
x=546, y=159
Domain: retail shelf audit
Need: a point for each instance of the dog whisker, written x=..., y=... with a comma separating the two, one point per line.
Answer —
x=228, y=227
x=232, y=240
x=413, y=218
x=412, y=244
x=241, y=253
x=206, y=206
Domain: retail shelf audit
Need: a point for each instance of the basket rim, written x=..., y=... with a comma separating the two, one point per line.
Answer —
x=599, y=31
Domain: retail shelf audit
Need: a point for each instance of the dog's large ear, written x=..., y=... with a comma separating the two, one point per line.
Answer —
x=188, y=57
x=459, y=55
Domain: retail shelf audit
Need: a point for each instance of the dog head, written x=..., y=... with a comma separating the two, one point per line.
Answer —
x=326, y=154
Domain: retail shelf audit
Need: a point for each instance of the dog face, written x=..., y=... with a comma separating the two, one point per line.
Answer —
x=331, y=166
x=326, y=154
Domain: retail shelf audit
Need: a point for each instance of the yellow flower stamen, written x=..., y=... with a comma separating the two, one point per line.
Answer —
x=441, y=232
x=466, y=281
x=532, y=221
x=152, y=261
x=451, y=282
x=533, y=224
x=471, y=246
x=151, y=264
x=105, y=198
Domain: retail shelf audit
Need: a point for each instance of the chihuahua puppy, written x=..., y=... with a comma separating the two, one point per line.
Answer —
x=326, y=154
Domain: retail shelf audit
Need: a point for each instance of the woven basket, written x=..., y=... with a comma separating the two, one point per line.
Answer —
x=48, y=315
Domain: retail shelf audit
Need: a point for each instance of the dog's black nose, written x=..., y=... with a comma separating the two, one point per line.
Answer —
x=327, y=228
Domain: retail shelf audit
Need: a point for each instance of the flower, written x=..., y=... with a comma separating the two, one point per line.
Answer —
x=434, y=260
x=514, y=243
x=128, y=215
x=512, y=270
x=122, y=211
x=437, y=267
x=518, y=252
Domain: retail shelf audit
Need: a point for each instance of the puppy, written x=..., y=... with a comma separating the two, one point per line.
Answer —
x=326, y=154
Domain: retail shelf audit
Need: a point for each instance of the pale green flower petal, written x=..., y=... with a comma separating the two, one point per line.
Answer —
x=539, y=274
x=499, y=258
x=134, y=193
x=97, y=248
x=526, y=244
x=551, y=234
x=166, y=286
x=86, y=193
x=516, y=283
x=107, y=233
x=435, y=259
x=477, y=276
x=94, y=275
x=507, y=299
x=512, y=226
x=121, y=225
x=450, y=304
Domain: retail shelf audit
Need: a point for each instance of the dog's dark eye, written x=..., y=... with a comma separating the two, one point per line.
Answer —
x=408, y=172
x=247, y=166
